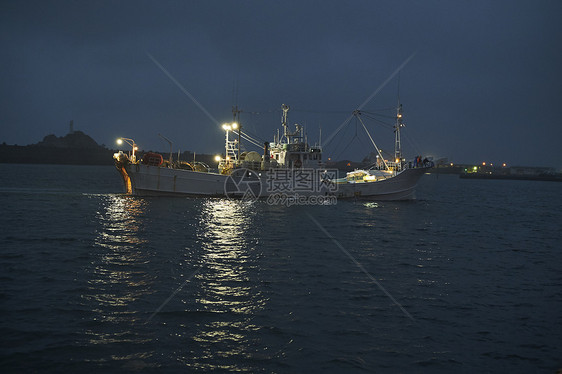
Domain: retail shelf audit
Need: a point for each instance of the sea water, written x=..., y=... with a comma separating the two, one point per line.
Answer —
x=467, y=278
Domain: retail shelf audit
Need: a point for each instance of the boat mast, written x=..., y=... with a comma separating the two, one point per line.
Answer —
x=286, y=134
x=236, y=119
x=399, y=124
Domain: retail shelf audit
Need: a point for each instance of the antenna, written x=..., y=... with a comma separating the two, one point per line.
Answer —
x=398, y=89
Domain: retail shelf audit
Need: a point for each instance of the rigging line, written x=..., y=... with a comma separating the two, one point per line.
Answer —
x=259, y=112
x=186, y=92
x=352, y=139
x=379, y=115
x=346, y=147
x=336, y=151
x=384, y=124
x=413, y=143
x=372, y=111
x=248, y=139
x=372, y=95
x=335, y=111
x=321, y=111
x=252, y=136
x=251, y=141
x=372, y=141
x=362, y=143
x=338, y=130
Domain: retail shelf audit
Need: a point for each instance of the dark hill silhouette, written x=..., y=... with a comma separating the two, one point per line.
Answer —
x=75, y=148
x=76, y=139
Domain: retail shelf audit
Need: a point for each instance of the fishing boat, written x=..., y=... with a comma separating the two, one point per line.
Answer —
x=288, y=166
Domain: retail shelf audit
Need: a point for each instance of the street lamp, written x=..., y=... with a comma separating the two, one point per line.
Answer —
x=130, y=142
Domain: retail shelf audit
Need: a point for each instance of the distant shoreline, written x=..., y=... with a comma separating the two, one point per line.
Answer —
x=35, y=154
x=549, y=178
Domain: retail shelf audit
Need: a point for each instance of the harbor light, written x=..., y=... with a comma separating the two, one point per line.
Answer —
x=217, y=158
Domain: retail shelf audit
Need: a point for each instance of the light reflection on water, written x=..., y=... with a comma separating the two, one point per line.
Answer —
x=221, y=301
x=119, y=277
x=225, y=233
x=479, y=275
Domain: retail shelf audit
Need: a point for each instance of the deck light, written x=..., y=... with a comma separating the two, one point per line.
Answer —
x=130, y=142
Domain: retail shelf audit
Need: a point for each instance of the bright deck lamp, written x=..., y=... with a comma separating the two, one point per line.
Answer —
x=130, y=142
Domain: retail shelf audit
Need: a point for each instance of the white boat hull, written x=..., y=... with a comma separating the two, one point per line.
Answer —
x=145, y=180
x=157, y=181
x=399, y=187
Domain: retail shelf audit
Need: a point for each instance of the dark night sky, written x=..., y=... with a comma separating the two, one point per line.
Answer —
x=485, y=83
